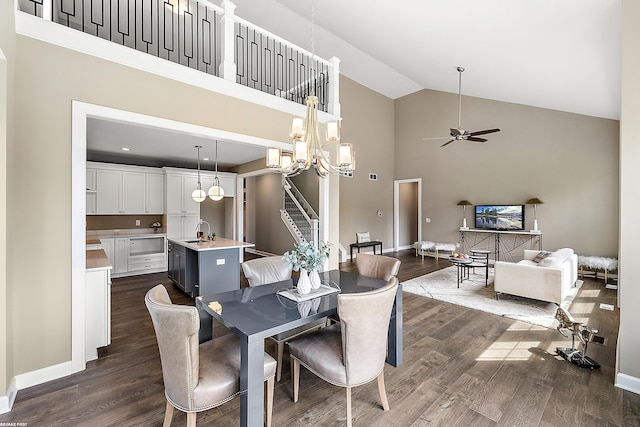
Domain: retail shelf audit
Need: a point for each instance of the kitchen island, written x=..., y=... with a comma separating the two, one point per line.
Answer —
x=204, y=267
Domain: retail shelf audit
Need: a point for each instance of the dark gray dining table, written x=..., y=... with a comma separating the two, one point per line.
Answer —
x=259, y=312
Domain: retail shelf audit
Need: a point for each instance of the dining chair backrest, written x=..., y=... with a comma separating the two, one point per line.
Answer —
x=261, y=271
x=364, y=319
x=176, y=329
x=377, y=266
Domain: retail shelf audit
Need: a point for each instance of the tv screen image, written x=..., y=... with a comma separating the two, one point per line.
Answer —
x=500, y=217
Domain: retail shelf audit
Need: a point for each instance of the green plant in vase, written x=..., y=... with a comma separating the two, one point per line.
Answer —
x=308, y=258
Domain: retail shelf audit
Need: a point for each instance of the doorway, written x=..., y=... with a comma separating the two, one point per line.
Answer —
x=407, y=211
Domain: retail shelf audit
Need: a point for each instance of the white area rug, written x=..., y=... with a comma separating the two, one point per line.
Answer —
x=441, y=285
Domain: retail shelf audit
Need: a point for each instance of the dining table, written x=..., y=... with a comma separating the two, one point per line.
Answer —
x=256, y=313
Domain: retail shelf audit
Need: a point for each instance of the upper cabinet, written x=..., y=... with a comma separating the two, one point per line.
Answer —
x=122, y=189
x=91, y=191
x=227, y=182
x=179, y=189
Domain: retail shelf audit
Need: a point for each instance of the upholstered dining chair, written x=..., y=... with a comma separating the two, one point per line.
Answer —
x=261, y=271
x=197, y=377
x=377, y=266
x=264, y=270
x=353, y=352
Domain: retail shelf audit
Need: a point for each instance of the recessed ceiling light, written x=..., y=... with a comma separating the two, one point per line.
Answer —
x=125, y=149
x=205, y=158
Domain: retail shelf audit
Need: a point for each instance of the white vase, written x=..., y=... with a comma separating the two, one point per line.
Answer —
x=315, y=279
x=304, y=283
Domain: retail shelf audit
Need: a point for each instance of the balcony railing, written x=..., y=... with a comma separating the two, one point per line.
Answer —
x=202, y=36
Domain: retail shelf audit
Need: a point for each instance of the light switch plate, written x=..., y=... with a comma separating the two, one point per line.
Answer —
x=137, y=222
x=220, y=261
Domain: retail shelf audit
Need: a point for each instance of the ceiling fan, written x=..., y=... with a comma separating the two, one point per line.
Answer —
x=459, y=134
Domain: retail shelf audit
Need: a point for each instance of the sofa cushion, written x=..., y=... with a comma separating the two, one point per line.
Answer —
x=556, y=258
x=527, y=262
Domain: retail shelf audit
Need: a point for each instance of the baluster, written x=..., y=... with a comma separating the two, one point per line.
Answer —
x=227, y=35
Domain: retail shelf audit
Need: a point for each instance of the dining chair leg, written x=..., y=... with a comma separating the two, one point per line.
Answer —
x=348, y=406
x=168, y=415
x=191, y=419
x=295, y=378
x=269, y=396
x=383, y=391
x=280, y=355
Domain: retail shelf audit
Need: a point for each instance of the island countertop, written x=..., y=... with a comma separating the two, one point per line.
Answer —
x=211, y=245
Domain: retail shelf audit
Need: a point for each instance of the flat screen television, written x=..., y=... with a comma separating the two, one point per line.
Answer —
x=499, y=217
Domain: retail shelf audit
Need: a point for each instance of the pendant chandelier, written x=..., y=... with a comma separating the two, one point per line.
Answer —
x=216, y=192
x=308, y=148
x=198, y=194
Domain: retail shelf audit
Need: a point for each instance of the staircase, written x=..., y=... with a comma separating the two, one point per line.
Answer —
x=297, y=214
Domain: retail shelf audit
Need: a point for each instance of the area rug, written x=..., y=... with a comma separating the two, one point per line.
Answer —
x=441, y=285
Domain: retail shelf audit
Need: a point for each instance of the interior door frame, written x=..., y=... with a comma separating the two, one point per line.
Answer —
x=396, y=210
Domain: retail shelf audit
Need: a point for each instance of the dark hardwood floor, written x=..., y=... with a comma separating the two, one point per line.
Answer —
x=461, y=367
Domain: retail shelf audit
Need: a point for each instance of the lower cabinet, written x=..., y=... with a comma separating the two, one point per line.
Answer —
x=178, y=268
x=135, y=255
x=97, y=311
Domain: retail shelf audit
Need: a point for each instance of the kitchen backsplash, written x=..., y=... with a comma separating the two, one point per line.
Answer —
x=112, y=222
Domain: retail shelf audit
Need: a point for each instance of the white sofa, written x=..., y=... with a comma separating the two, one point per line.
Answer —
x=547, y=280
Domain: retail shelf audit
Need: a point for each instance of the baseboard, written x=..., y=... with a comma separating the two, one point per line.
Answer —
x=39, y=376
x=400, y=248
x=6, y=402
x=627, y=382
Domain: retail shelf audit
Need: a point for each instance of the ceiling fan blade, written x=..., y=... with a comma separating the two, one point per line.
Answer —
x=437, y=137
x=474, y=139
x=455, y=132
x=484, y=132
x=447, y=143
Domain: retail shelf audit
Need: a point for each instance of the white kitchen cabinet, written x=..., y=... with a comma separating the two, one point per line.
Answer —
x=182, y=226
x=108, y=245
x=109, y=192
x=133, y=192
x=227, y=182
x=154, y=193
x=97, y=311
x=91, y=191
x=179, y=189
x=121, y=255
x=125, y=189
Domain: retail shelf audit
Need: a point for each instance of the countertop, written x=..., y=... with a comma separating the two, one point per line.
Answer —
x=211, y=245
x=132, y=232
x=97, y=260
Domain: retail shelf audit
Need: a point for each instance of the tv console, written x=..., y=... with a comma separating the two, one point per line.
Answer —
x=509, y=244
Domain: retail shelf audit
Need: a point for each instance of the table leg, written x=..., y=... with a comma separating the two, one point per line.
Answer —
x=206, y=324
x=251, y=382
x=394, y=336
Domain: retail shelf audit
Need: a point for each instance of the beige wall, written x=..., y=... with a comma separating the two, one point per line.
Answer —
x=271, y=235
x=629, y=291
x=368, y=124
x=567, y=160
x=41, y=158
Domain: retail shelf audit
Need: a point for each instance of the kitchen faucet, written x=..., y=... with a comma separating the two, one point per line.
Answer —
x=202, y=221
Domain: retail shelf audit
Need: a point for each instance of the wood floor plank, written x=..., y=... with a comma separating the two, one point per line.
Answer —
x=461, y=367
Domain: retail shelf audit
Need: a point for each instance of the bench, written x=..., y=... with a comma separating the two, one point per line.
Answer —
x=372, y=243
x=596, y=264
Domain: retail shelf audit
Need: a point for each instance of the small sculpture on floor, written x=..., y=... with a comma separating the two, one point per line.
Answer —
x=577, y=329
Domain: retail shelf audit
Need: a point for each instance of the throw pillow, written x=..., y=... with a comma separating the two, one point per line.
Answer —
x=363, y=237
x=541, y=255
